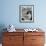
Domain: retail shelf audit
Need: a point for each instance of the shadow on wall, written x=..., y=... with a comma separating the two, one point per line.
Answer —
x=2, y=26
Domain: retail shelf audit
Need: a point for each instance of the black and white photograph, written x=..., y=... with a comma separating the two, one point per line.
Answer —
x=26, y=13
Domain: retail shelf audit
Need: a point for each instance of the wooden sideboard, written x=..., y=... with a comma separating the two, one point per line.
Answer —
x=23, y=38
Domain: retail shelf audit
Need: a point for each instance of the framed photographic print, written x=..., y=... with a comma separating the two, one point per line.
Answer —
x=26, y=13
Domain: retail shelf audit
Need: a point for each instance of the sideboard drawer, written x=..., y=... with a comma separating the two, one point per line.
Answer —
x=34, y=33
x=37, y=39
x=13, y=33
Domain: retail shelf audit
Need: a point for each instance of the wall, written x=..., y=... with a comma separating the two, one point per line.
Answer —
x=10, y=13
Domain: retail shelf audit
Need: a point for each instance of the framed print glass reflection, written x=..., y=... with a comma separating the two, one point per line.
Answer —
x=26, y=13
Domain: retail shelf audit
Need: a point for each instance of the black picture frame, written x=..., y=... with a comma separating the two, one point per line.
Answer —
x=26, y=13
